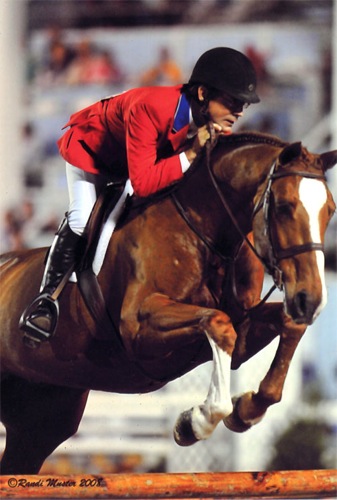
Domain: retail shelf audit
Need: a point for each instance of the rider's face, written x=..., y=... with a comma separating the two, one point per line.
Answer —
x=223, y=110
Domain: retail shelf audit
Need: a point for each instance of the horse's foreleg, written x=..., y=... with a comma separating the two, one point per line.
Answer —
x=165, y=325
x=199, y=422
x=38, y=418
x=250, y=408
x=260, y=327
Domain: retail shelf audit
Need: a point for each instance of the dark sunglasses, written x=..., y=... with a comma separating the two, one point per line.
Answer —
x=235, y=105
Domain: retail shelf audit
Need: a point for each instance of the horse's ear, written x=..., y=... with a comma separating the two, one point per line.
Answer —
x=329, y=159
x=290, y=152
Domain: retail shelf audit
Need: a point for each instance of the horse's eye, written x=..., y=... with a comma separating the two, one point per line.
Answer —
x=283, y=209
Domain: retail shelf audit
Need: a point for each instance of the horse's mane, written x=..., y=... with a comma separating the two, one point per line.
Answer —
x=244, y=138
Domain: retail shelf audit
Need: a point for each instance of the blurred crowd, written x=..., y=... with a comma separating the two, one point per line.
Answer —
x=87, y=63
x=84, y=64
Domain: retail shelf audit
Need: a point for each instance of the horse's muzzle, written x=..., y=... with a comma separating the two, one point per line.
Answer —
x=303, y=308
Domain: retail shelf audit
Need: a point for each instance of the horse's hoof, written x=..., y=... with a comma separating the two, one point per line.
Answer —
x=183, y=431
x=233, y=422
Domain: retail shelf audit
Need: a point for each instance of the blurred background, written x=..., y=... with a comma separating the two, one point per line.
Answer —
x=58, y=56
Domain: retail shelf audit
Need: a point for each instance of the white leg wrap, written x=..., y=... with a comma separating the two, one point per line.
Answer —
x=218, y=403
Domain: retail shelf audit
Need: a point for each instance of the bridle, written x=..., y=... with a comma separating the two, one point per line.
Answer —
x=264, y=204
x=270, y=263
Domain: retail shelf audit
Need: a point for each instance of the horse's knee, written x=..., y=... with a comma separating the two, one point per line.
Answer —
x=220, y=328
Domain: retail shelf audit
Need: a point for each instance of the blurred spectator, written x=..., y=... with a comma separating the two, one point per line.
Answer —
x=259, y=61
x=21, y=228
x=59, y=465
x=32, y=156
x=26, y=217
x=59, y=57
x=93, y=66
x=104, y=69
x=78, y=67
x=11, y=235
x=165, y=72
x=18, y=222
x=101, y=464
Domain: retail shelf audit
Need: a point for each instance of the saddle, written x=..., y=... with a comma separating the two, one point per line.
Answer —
x=86, y=278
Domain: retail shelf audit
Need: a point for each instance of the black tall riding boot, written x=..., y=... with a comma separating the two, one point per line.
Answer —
x=39, y=320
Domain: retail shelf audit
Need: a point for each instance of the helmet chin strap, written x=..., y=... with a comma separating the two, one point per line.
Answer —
x=204, y=111
x=200, y=112
x=204, y=102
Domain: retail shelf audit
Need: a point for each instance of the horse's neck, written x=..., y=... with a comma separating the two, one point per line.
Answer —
x=246, y=168
x=241, y=174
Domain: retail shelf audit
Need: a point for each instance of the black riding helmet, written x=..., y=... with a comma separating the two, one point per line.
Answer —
x=226, y=70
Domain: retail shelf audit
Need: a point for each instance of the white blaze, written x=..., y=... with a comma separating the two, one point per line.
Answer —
x=313, y=196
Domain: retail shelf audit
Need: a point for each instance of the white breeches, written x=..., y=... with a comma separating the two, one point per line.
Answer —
x=83, y=189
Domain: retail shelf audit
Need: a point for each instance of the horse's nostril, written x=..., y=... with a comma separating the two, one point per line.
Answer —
x=305, y=306
x=301, y=303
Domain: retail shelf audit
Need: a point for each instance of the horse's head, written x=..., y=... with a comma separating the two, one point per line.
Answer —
x=291, y=217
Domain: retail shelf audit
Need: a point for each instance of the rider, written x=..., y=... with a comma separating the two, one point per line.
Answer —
x=150, y=135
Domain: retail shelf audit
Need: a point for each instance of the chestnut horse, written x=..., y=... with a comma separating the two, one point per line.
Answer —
x=181, y=281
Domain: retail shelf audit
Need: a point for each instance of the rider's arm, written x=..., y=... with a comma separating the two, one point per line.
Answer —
x=143, y=137
x=146, y=172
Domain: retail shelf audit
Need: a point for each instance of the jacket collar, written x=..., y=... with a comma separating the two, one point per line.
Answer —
x=182, y=115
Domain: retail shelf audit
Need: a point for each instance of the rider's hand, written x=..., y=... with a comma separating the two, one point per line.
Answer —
x=203, y=135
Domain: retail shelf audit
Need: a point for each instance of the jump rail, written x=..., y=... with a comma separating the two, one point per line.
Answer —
x=280, y=484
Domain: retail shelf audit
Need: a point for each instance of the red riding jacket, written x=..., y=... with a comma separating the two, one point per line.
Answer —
x=137, y=134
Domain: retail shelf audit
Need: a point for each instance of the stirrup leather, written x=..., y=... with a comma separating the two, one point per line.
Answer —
x=49, y=308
